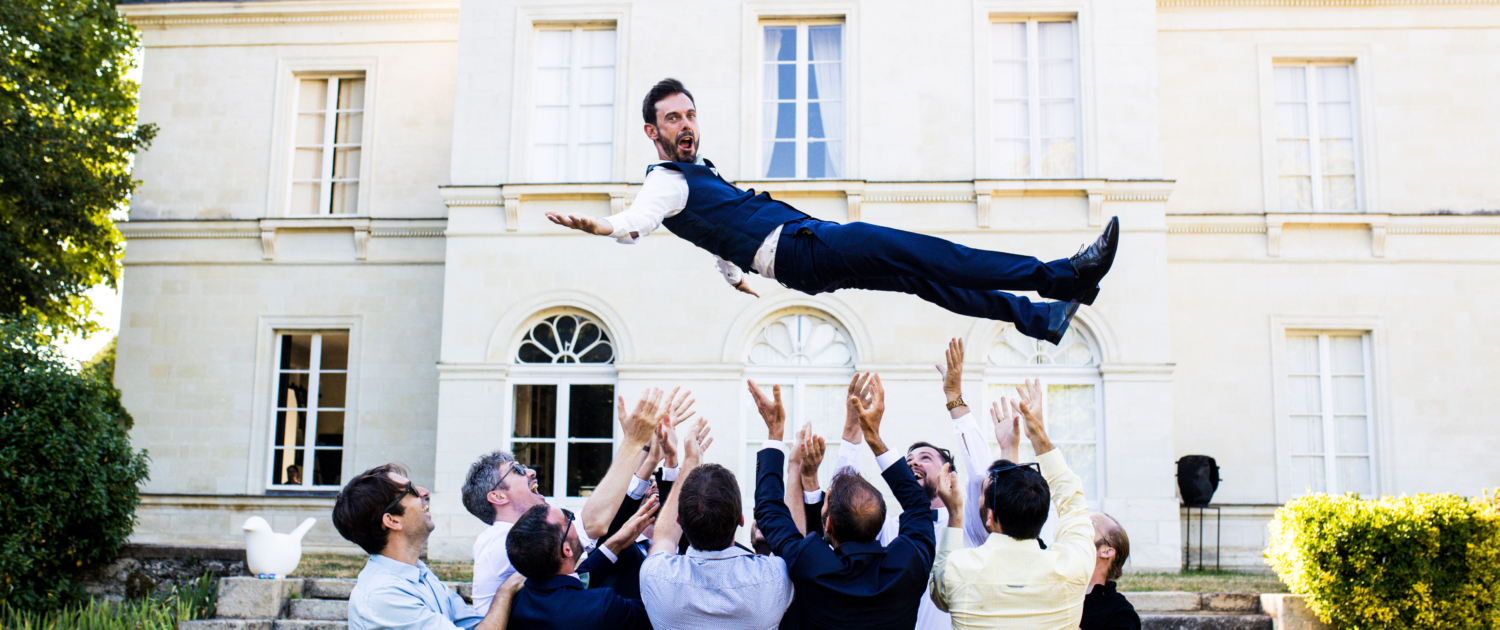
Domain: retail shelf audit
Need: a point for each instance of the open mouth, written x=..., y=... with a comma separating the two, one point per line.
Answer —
x=919, y=473
x=685, y=143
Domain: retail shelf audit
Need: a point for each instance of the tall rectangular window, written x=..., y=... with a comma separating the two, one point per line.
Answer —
x=573, y=123
x=1315, y=142
x=565, y=431
x=802, y=127
x=1331, y=435
x=1034, y=87
x=330, y=126
x=312, y=383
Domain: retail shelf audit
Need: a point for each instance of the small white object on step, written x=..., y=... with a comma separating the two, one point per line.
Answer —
x=269, y=554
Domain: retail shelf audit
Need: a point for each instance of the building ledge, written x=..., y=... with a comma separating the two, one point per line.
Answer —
x=167, y=14
x=1379, y=224
x=266, y=229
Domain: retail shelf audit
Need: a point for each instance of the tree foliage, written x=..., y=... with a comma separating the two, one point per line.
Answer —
x=71, y=480
x=67, y=134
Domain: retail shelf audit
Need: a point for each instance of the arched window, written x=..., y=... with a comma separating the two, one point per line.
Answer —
x=563, y=388
x=810, y=355
x=1072, y=404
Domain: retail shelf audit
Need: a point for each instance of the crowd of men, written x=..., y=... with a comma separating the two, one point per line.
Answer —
x=654, y=545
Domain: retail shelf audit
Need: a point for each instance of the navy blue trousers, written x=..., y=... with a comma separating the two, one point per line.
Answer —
x=818, y=256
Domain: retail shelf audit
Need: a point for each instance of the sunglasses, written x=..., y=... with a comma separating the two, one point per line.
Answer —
x=995, y=478
x=410, y=489
x=515, y=467
x=564, y=543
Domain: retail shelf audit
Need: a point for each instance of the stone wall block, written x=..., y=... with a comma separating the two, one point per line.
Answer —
x=227, y=624
x=310, y=624
x=254, y=598
x=328, y=588
x=1290, y=612
x=1165, y=601
x=1232, y=602
x=318, y=609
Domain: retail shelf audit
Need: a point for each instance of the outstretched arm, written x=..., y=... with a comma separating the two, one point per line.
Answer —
x=1075, y=532
x=636, y=430
x=975, y=452
x=663, y=194
x=668, y=531
x=916, y=509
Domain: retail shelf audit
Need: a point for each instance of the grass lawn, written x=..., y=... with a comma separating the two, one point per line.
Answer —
x=341, y=566
x=1203, y=582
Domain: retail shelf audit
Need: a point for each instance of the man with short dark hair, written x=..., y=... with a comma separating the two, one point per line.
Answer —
x=544, y=546
x=845, y=578
x=749, y=232
x=498, y=490
x=1010, y=581
x=1105, y=608
x=716, y=584
x=386, y=515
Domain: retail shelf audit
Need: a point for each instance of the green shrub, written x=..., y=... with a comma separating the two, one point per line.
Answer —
x=1427, y=561
x=156, y=613
x=70, y=480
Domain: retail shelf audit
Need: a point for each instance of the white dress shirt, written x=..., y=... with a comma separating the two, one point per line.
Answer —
x=730, y=588
x=976, y=456
x=663, y=195
x=491, y=564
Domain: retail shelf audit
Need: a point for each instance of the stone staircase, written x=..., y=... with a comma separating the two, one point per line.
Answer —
x=323, y=604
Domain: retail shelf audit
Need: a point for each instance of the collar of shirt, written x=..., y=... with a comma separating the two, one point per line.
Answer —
x=857, y=548
x=722, y=554
x=1102, y=590
x=556, y=582
x=391, y=566
x=1001, y=541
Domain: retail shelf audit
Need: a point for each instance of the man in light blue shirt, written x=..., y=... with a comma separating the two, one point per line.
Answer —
x=387, y=515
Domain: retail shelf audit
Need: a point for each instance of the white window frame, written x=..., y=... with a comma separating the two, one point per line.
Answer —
x=289, y=73
x=802, y=101
x=1325, y=376
x=1034, y=96
x=754, y=17
x=575, y=69
x=263, y=409
x=562, y=376
x=995, y=376
x=1314, y=129
x=1378, y=398
x=331, y=111
x=1366, y=177
x=530, y=19
x=309, y=447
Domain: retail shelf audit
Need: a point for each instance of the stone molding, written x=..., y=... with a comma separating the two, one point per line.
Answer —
x=1380, y=225
x=293, y=12
x=266, y=229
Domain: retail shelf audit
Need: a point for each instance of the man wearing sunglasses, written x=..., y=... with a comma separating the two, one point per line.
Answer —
x=498, y=490
x=386, y=515
x=545, y=547
x=1010, y=581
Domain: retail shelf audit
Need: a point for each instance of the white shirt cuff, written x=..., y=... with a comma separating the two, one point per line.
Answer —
x=608, y=554
x=776, y=444
x=670, y=474
x=847, y=444
x=963, y=421
x=638, y=487
x=884, y=460
x=812, y=496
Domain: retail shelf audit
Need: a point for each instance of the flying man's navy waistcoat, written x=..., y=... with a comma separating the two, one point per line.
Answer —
x=722, y=219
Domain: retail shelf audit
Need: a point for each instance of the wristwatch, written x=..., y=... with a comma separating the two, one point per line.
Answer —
x=957, y=402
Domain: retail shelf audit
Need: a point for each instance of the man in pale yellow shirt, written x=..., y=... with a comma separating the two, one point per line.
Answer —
x=1011, y=581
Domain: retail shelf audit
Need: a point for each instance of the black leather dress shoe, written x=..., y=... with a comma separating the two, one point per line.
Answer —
x=1058, y=319
x=1094, y=261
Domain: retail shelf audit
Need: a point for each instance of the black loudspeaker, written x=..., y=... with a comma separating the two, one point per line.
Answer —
x=1197, y=479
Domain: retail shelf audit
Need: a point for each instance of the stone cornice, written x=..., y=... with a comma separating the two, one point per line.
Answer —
x=285, y=12
x=1380, y=225
x=1202, y=4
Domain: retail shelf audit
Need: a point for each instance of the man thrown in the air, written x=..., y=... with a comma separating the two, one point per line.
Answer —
x=746, y=232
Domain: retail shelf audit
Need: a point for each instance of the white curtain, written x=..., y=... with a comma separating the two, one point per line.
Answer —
x=770, y=76
x=827, y=43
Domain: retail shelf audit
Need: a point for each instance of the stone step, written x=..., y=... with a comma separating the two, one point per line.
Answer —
x=263, y=624
x=1205, y=621
x=1176, y=601
x=328, y=588
x=318, y=609
x=318, y=624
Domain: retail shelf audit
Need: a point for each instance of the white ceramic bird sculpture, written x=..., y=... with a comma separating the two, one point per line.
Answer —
x=269, y=554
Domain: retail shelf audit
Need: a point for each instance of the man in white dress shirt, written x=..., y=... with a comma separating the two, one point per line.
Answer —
x=927, y=463
x=498, y=491
x=748, y=232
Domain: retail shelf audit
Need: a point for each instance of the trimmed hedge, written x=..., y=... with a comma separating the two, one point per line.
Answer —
x=1426, y=561
x=69, y=481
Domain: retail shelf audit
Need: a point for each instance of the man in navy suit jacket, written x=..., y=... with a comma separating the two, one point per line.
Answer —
x=544, y=547
x=845, y=578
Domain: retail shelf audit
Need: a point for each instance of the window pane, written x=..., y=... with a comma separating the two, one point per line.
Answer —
x=1354, y=475
x=307, y=164
x=349, y=128
x=1292, y=158
x=593, y=163
x=1055, y=79
x=305, y=198
x=1307, y=475
x=551, y=125
x=781, y=43
x=823, y=406
x=817, y=160
x=598, y=124
x=327, y=465
x=825, y=42
x=286, y=467
x=312, y=95
x=346, y=163
x=785, y=78
x=1351, y=436
x=1058, y=120
x=587, y=464
x=291, y=390
x=331, y=390
x=1008, y=80
x=1291, y=120
x=309, y=130
x=1337, y=156
x=351, y=94
x=548, y=163
x=1334, y=84
x=1306, y=394
x=345, y=198
x=1009, y=120
x=1070, y=413
x=1008, y=40
x=1055, y=40
x=1296, y=193
x=335, y=351
x=536, y=411
x=1082, y=459
x=330, y=429
x=591, y=411
x=1060, y=158
x=599, y=48
x=1291, y=84
x=781, y=159
x=1335, y=120
x=1307, y=435
x=1302, y=354
x=1349, y=394
x=291, y=428
x=598, y=86
x=296, y=352
x=1338, y=193
x=1347, y=354
x=541, y=458
x=553, y=47
x=551, y=86
x=1011, y=158
x=815, y=121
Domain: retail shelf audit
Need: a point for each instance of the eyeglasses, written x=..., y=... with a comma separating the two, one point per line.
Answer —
x=947, y=454
x=515, y=467
x=564, y=542
x=410, y=489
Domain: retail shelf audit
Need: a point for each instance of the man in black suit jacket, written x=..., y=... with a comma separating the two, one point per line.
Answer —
x=844, y=578
x=543, y=546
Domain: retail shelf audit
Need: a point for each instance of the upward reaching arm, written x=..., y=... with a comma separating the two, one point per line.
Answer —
x=975, y=451
x=636, y=430
x=1075, y=532
x=916, y=509
x=668, y=531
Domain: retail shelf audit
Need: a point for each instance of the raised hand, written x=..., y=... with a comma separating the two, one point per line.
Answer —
x=870, y=406
x=952, y=495
x=1007, y=433
x=580, y=222
x=637, y=523
x=799, y=449
x=695, y=440
x=681, y=406
x=852, y=433
x=666, y=436
x=770, y=410
x=641, y=423
x=1029, y=408
x=813, y=447
x=953, y=371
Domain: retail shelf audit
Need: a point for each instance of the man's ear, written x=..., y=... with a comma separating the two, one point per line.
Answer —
x=652, y=132
x=1106, y=552
x=742, y=521
x=390, y=521
x=497, y=497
